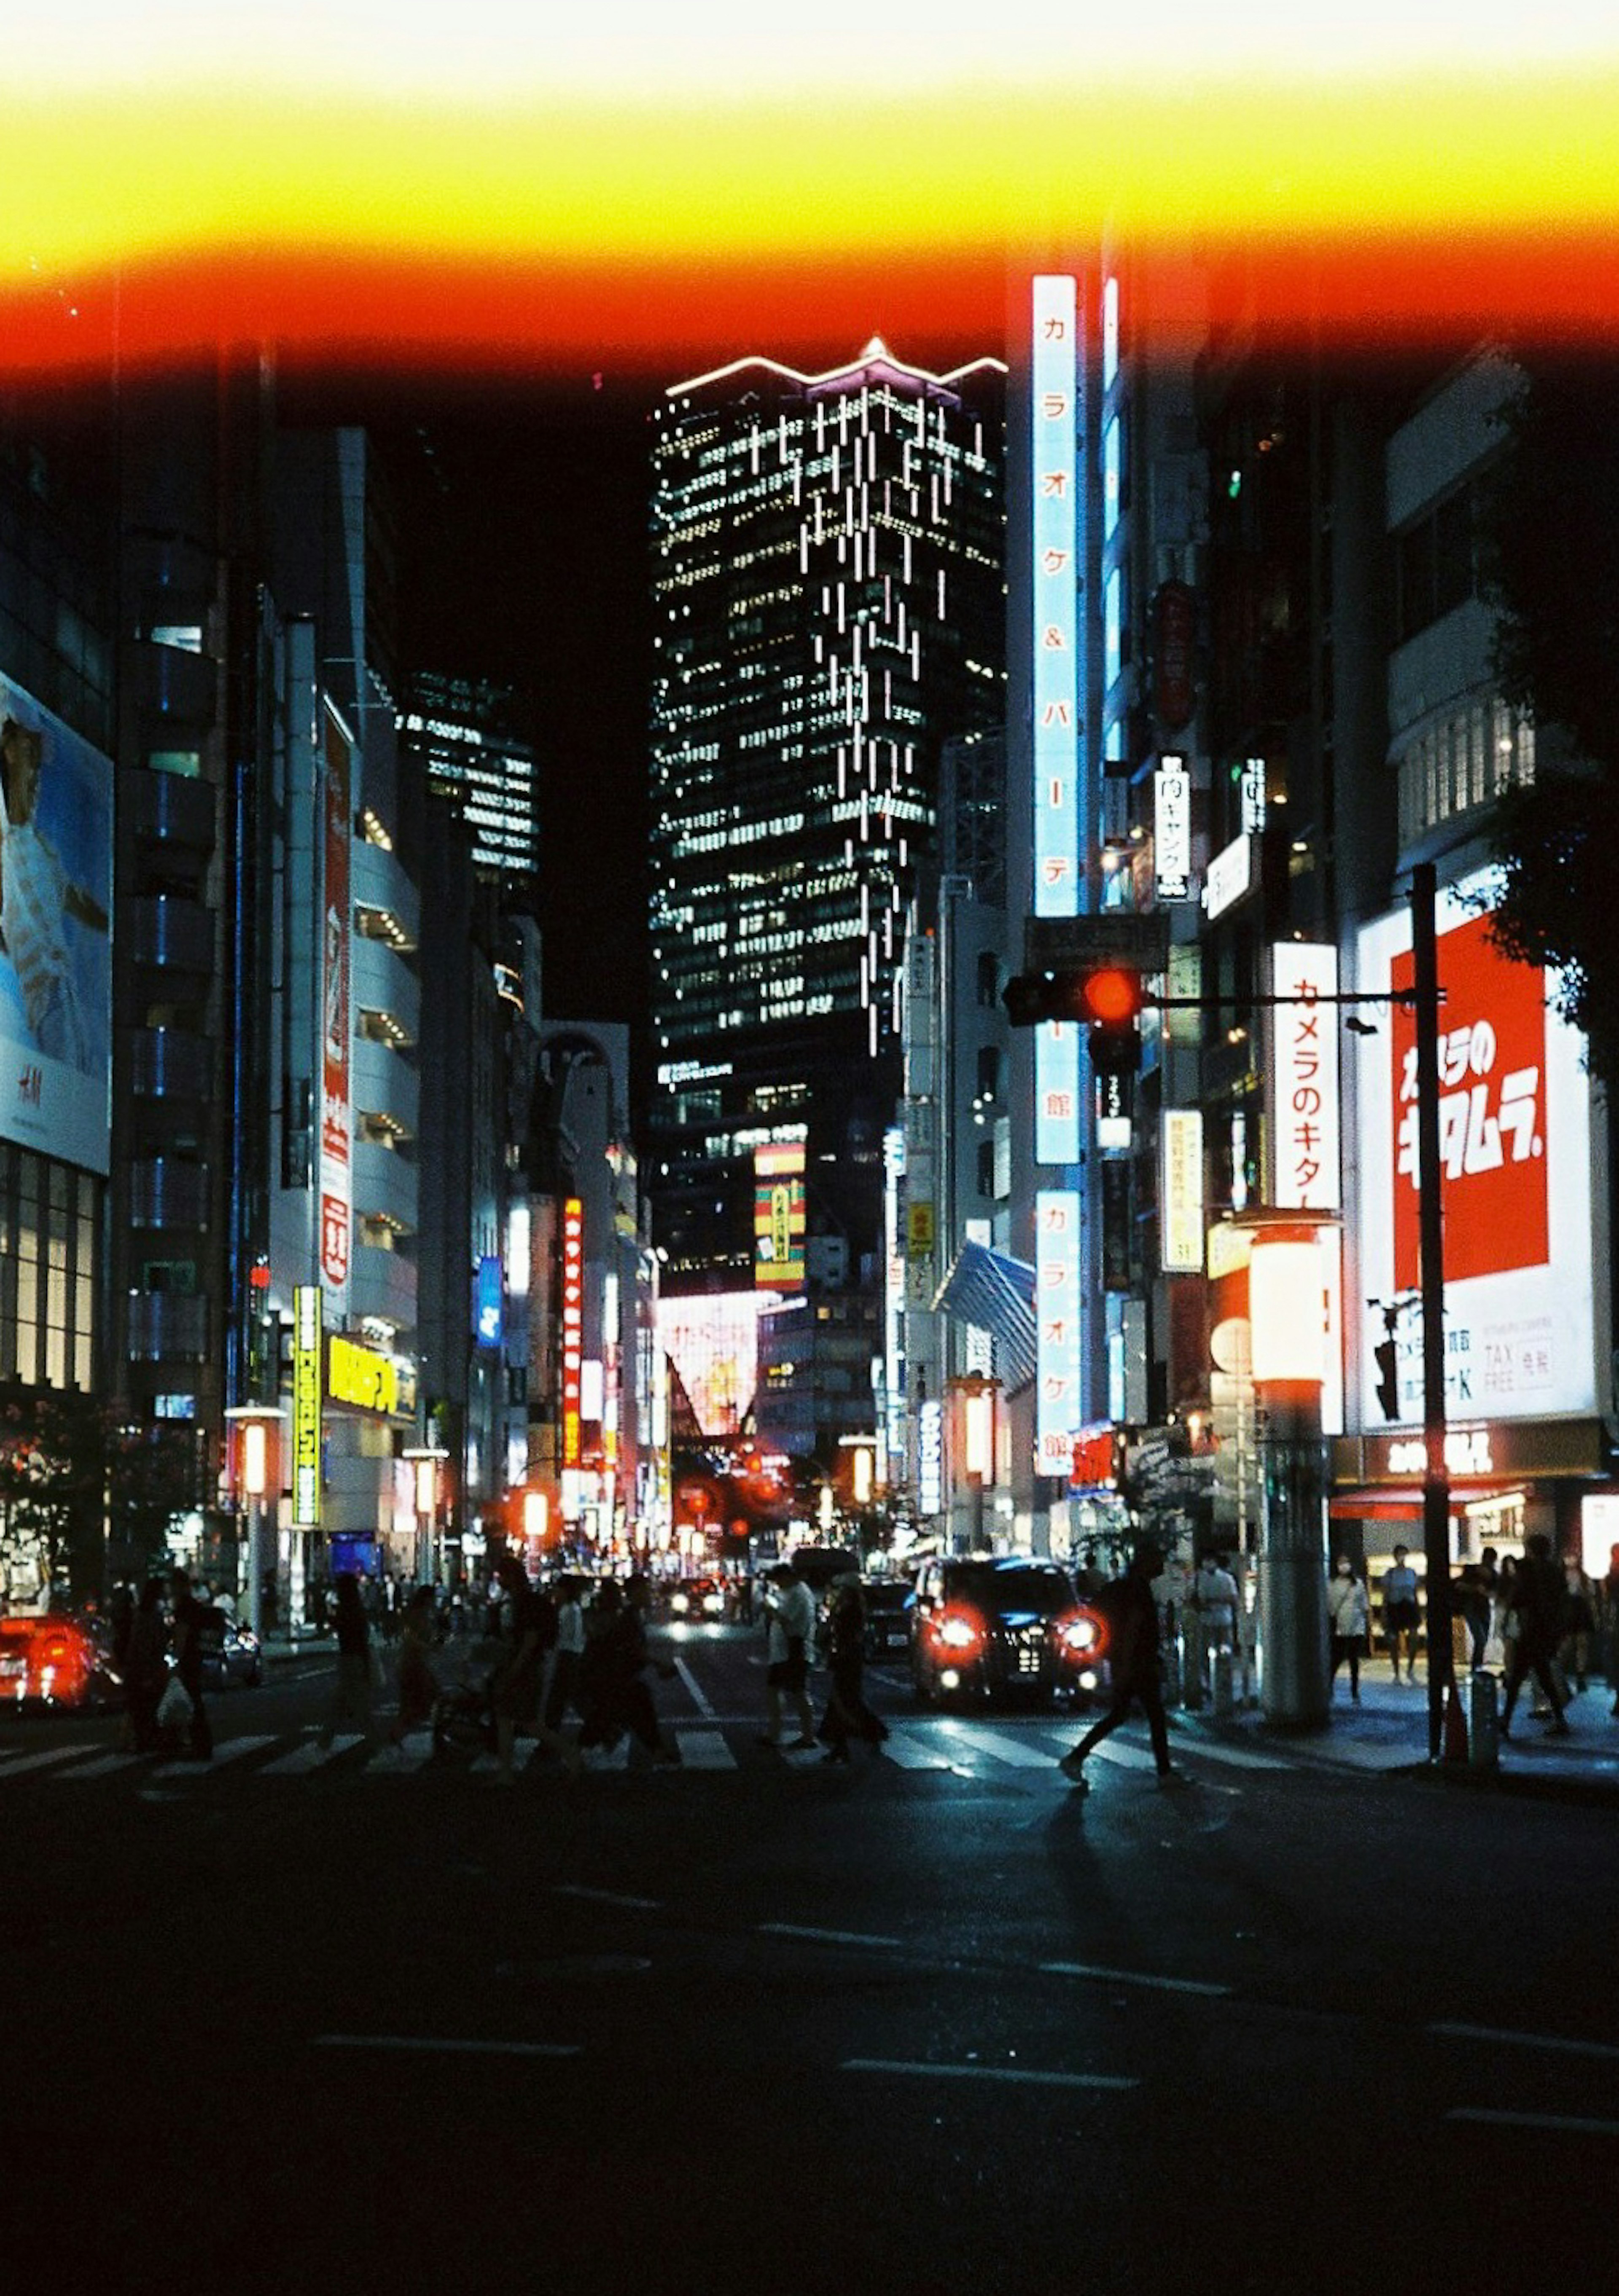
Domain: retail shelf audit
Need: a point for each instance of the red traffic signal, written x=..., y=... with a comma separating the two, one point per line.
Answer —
x=1109, y=997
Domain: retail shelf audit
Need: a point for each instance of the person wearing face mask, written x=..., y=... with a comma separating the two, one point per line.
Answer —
x=1349, y=1615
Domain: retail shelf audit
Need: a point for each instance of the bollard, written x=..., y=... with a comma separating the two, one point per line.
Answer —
x=1171, y=1672
x=1483, y=1741
x=1222, y=1682
x=1192, y=1662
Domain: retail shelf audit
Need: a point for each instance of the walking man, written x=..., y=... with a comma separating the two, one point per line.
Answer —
x=1131, y=1608
x=1538, y=1598
x=790, y=1608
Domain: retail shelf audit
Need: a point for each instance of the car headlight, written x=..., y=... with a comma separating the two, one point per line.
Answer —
x=955, y=1634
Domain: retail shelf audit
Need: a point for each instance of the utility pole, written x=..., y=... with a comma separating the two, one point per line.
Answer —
x=1437, y=1481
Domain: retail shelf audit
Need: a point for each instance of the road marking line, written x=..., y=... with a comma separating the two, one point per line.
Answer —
x=1016, y=1752
x=15, y=1767
x=987, y=2072
x=1524, y=2040
x=1133, y=1977
x=699, y=1698
x=310, y=1756
x=704, y=1749
x=232, y=1750
x=825, y=1937
x=1565, y=2124
x=1124, y=1757
x=104, y=1766
x=1215, y=1750
x=607, y=1897
x=446, y=2048
x=911, y=1754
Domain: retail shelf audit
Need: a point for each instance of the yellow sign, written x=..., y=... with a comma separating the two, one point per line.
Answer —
x=305, y=1405
x=360, y=1376
x=919, y=1225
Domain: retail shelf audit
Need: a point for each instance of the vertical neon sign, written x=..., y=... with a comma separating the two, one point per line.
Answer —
x=336, y=1159
x=1057, y=1308
x=305, y=1405
x=573, y=1325
x=1054, y=681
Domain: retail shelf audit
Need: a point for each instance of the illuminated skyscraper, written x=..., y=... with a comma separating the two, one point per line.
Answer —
x=827, y=570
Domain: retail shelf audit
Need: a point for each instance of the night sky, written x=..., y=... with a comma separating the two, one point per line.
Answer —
x=523, y=560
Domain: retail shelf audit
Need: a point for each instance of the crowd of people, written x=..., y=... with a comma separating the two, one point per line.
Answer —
x=1529, y=1617
x=568, y=1662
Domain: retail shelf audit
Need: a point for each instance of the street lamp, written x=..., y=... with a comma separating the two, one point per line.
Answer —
x=258, y=1470
x=974, y=1393
x=426, y=1458
x=1288, y=1312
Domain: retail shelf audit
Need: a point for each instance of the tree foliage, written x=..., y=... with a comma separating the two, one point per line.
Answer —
x=1552, y=564
x=74, y=1476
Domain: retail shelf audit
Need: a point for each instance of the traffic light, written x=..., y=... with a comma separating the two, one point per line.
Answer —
x=1388, y=1377
x=1106, y=1000
x=1110, y=1002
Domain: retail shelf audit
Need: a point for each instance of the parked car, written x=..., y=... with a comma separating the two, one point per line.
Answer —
x=57, y=1661
x=889, y=1603
x=998, y=1626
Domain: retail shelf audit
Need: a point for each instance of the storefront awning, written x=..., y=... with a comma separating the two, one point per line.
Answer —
x=1402, y=1502
x=997, y=1292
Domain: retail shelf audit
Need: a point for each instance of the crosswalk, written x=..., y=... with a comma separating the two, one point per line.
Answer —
x=968, y=1748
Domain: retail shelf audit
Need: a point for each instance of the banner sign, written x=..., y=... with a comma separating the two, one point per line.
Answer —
x=778, y=1216
x=1172, y=829
x=1180, y=1207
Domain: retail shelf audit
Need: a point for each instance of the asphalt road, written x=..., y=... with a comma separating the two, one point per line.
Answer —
x=930, y=2024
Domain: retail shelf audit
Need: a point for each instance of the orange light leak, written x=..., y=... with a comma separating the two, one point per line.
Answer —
x=1375, y=294
x=1373, y=216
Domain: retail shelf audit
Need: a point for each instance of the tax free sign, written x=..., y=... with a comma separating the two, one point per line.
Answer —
x=1514, y=1146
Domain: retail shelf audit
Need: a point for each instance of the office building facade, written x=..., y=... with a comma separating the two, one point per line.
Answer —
x=828, y=607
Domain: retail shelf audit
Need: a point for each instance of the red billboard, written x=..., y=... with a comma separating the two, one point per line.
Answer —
x=1492, y=1127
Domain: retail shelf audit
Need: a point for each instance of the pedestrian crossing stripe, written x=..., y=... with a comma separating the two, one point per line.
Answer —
x=229, y=1749
x=14, y=1766
x=943, y=1743
x=310, y=1756
x=704, y=1749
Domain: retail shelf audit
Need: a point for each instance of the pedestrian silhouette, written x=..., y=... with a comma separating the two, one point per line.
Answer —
x=847, y=1713
x=1135, y=1667
x=1537, y=1600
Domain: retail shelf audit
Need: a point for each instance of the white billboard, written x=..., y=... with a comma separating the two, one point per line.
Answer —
x=56, y=935
x=1516, y=1181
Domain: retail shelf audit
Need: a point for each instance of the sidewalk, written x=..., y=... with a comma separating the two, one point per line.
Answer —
x=1388, y=1732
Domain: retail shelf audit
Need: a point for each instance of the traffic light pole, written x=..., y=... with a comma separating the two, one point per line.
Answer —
x=1436, y=1481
